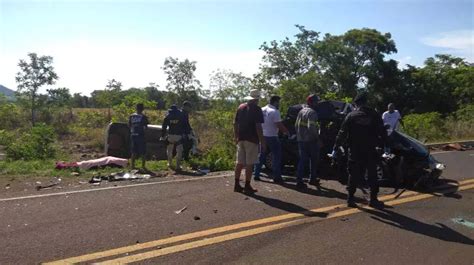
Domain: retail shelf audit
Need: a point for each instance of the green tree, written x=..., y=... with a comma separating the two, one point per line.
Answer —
x=229, y=86
x=440, y=85
x=80, y=101
x=34, y=73
x=288, y=59
x=349, y=60
x=110, y=96
x=181, y=80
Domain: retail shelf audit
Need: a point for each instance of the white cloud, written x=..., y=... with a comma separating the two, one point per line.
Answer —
x=458, y=42
x=402, y=62
x=84, y=66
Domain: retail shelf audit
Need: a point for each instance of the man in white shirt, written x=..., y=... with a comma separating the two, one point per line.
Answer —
x=392, y=117
x=271, y=126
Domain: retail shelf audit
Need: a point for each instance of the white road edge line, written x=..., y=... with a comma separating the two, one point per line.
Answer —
x=111, y=188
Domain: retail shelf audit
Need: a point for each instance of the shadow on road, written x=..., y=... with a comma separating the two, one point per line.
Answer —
x=286, y=206
x=438, y=231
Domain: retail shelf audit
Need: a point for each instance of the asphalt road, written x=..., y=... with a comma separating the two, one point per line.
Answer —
x=137, y=222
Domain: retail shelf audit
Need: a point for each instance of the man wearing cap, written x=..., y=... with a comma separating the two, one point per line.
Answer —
x=307, y=135
x=271, y=126
x=248, y=135
x=363, y=131
x=188, y=134
x=173, y=130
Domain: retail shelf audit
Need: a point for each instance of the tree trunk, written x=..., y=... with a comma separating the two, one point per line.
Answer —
x=33, y=121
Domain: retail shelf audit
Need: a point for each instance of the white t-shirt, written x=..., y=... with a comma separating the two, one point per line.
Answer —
x=391, y=119
x=271, y=116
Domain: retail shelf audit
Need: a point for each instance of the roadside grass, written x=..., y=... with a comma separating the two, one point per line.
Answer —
x=41, y=169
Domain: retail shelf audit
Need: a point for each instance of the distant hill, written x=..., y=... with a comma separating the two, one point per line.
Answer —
x=7, y=92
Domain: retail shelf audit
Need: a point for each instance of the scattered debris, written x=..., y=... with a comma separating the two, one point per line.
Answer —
x=246, y=198
x=344, y=219
x=197, y=218
x=75, y=174
x=215, y=211
x=119, y=176
x=82, y=182
x=453, y=147
x=54, y=182
x=7, y=187
x=463, y=222
x=204, y=170
x=181, y=210
x=138, y=242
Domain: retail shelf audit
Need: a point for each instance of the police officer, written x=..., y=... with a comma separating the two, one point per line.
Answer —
x=173, y=131
x=138, y=122
x=363, y=131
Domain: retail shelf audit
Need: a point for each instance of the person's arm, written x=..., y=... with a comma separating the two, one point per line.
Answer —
x=381, y=131
x=313, y=123
x=282, y=128
x=279, y=123
x=343, y=132
x=236, y=128
x=145, y=122
x=130, y=122
x=263, y=144
x=400, y=120
x=164, y=127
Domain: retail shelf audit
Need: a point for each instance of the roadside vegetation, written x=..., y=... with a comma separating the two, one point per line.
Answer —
x=37, y=129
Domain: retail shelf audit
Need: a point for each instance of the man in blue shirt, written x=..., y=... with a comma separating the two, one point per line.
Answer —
x=138, y=122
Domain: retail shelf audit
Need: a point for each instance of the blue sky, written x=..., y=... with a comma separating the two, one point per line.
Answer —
x=93, y=41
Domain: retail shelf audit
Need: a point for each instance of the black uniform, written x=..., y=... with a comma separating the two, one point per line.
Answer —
x=174, y=122
x=363, y=131
x=187, y=142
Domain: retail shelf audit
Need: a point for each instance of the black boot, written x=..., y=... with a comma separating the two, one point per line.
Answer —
x=351, y=201
x=375, y=203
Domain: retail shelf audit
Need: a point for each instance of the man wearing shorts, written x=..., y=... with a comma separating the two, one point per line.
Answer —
x=137, y=122
x=248, y=135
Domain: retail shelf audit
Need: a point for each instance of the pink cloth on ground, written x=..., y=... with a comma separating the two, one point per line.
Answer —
x=103, y=161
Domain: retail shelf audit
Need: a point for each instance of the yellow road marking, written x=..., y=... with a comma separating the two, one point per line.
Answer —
x=255, y=231
x=213, y=231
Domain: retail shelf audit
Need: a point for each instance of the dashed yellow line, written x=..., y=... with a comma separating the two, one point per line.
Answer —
x=229, y=228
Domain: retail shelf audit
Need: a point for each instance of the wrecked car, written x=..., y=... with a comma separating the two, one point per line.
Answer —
x=117, y=141
x=409, y=163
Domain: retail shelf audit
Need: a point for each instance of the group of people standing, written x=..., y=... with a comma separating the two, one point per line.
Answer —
x=176, y=131
x=256, y=133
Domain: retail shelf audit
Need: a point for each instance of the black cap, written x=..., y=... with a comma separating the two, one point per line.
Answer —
x=361, y=98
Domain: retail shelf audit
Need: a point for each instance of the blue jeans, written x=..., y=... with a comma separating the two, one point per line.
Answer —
x=274, y=147
x=308, y=152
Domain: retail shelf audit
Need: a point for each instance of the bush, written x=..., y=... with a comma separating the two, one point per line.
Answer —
x=215, y=130
x=425, y=127
x=91, y=119
x=35, y=144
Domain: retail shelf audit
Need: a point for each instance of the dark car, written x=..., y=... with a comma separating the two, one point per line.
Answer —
x=409, y=163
